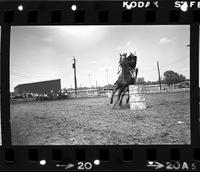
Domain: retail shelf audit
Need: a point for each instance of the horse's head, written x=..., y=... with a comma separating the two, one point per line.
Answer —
x=123, y=55
x=122, y=59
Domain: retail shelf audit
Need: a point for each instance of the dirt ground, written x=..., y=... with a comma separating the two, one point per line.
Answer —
x=92, y=121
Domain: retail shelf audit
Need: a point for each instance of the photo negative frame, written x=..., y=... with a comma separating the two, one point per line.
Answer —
x=15, y=16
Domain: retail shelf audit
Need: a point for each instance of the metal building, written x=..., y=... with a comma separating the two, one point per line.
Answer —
x=44, y=87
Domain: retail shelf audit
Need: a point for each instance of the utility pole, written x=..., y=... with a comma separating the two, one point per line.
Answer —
x=89, y=81
x=159, y=74
x=96, y=84
x=75, y=81
x=107, y=75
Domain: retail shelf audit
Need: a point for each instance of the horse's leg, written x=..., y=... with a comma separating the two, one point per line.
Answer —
x=122, y=95
x=119, y=94
x=113, y=93
x=127, y=100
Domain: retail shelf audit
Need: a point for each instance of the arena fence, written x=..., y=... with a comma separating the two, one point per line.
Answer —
x=156, y=89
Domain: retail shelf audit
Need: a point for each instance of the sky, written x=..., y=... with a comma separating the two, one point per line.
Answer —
x=40, y=53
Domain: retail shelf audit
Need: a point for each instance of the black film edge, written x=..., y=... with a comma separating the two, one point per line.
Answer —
x=59, y=65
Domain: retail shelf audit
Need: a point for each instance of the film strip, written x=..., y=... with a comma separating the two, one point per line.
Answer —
x=111, y=147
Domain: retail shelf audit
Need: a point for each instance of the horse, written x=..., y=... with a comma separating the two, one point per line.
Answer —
x=127, y=76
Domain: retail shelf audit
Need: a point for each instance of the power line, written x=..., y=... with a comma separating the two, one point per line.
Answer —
x=164, y=66
x=174, y=62
x=28, y=70
x=107, y=75
x=25, y=74
x=89, y=80
x=21, y=76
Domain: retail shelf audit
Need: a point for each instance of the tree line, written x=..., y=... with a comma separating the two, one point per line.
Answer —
x=170, y=77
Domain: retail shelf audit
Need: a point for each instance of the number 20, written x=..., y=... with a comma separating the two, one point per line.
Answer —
x=84, y=166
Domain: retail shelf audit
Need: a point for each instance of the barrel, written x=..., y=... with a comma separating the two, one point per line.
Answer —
x=137, y=97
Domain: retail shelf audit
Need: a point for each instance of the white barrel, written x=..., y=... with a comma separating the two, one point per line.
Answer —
x=137, y=98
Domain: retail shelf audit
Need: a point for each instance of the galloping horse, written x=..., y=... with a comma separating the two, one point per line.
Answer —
x=127, y=76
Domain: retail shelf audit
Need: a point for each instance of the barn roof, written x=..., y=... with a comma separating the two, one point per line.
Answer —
x=37, y=82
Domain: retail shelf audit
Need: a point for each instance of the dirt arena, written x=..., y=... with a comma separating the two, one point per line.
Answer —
x=92, y=121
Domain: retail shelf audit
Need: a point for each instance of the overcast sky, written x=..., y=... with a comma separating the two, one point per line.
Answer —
x=40, y=53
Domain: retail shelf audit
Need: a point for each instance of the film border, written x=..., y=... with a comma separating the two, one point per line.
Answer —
x=95, y=13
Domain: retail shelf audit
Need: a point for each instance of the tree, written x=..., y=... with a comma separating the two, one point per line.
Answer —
x=181, y=78
x=171, y=77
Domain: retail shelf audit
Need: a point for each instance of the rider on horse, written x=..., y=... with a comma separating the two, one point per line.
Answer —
x=128, y=75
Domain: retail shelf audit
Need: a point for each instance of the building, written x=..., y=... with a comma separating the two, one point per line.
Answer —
x=44, y=87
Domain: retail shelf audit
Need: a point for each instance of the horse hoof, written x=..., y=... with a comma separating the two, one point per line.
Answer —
x=113, y=106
